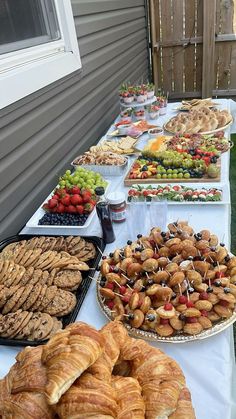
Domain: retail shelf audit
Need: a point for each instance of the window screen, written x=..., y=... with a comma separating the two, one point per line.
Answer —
x=26, y=23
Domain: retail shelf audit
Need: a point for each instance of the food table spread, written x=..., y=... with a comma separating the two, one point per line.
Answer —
x=208, y=364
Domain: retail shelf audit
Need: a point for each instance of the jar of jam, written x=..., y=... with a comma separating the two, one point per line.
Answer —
x=117, y=206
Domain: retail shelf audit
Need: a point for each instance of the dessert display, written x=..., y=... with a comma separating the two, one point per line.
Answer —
x=123, y=146
x=203, y=120
x=38, y=281
x=188, y=105
x=82, y=372
x=199, y=144
x=130, y=95
x=152, y=166
x=170, y=285
x=176, y=193
x=101, y=158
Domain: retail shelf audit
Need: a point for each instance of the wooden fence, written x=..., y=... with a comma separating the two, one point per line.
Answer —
x=194, y=47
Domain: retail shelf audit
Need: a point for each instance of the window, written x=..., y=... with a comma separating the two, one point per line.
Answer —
x=38, y=45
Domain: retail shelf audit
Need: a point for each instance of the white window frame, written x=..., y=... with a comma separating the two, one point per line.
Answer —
x=25, y=71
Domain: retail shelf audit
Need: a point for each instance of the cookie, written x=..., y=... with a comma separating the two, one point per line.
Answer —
x=32, y=298
x=20, y=255
x=21, y=272
x=40, y=298
x=44, y=328
x=68, y=279
x=45, y=259
x=14, y=274
x=25, y=316
x=63, y=303
x=60, y=244
x=27, y=290
x=48, y=297
x=26, y=257
x=8, y=322
x=44, y=277
x=33, y=258
x=27, y=275
x=4, y=269
x=57, y=325
x=53, y=264
x=51, y=277
x=30, y=327
x=35, y=279
x=12, y=301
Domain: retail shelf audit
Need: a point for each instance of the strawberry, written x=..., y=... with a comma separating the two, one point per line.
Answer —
x=164, y=321
x=60, y=192
x=60, y=208
x=191, y=319
x=189, y=304
x=55, y=196
x=66, y=200
x=75, y=190
x=76, y=199
x=88, y=207
x=203, y=296
x=110, y=304
x=110, y=285
x=80, y=209
x=168, y=306
x=122, y=289
x=71, y=209
x=183, y=299
x=45, y=207
x=52, y=203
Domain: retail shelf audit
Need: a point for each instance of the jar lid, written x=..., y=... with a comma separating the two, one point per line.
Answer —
x=99, y=191
x=116, y=198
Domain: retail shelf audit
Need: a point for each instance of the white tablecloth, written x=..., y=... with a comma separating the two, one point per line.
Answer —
x=208, y=365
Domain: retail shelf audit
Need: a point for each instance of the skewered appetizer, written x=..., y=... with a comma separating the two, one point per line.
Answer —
x=178, y=193
x=170, y=283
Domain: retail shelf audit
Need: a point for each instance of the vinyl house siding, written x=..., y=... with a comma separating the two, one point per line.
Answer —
x=41, y=134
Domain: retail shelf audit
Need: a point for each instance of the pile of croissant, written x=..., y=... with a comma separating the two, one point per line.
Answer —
x=170, y=283
x=84, y=373
x=201, y=120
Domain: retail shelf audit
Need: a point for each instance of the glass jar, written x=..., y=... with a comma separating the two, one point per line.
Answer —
x=117, y=204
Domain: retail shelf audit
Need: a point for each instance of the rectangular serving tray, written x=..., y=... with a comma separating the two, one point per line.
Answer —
x=80, y=293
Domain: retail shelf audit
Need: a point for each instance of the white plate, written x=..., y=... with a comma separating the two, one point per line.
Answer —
x=225, y=192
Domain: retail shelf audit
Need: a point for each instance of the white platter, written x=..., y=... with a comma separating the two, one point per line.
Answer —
x=223, y=187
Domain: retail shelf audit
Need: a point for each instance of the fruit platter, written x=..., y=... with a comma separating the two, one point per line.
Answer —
x=204, y=121
x=150, y=167
x=175, y=194
x=72, y=203
x=174, y=286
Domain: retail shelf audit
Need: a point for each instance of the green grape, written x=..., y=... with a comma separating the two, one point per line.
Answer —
x=158, y=176
x=164, y=176
x=186, y=175
x=169, y=176
x=68, y=172
x=180, y=175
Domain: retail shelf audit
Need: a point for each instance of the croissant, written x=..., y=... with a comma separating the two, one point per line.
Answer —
x=184, y=406
x=129, y=398
x=67, y=355
x=115, y=335
x=160, y=377
x=28, y=373
x=88, y=397
x=26, y=405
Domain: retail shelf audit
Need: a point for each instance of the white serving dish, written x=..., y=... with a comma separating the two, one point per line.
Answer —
x=105, y=170
x=224, y=187
x=136, y=104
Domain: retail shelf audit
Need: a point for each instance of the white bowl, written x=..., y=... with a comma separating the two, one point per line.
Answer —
x=153, y=134
x=122, y=129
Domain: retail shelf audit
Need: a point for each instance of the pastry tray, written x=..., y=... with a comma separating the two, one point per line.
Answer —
x=80, y=293
x=202, y=133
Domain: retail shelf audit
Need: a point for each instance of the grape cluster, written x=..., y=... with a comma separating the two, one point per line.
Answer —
x=63, y=219
x=84, y=179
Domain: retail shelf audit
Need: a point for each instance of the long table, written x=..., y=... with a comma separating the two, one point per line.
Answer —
x=209, y=365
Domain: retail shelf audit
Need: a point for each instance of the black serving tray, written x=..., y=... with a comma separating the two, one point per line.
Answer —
x=80, y=292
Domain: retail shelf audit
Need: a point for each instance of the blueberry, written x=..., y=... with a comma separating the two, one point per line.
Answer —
x=150, y=282
x=163, y=234
x=227, y=258
x=150, y=317
x=227, y=290
x=131, y=316
x=139, y=236
x=130, y=282
x=222, y=244
x=111, y=255
x=163, y=283
x=116, y=270
x=217, y=283
x=214, y=264
x=182, y=317
x=209, y=289
x=191, y=290
x=129, y=242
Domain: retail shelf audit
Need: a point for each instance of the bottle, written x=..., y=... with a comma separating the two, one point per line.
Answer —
x=104, y=216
